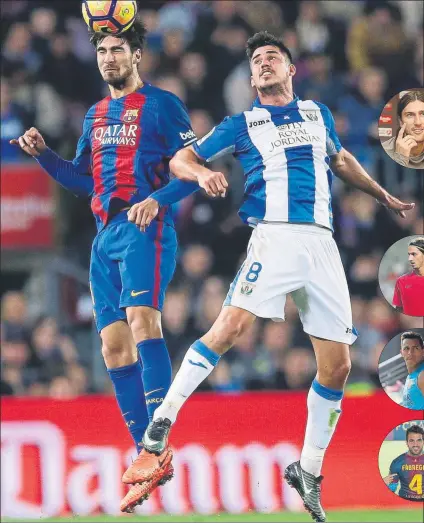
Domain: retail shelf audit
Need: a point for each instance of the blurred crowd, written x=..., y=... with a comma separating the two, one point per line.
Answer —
x=353, y=56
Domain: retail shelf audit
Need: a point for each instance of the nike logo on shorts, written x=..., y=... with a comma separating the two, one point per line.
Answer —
x=134, y=293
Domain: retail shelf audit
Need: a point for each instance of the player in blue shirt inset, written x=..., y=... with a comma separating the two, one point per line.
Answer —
x=288, y=149
x=412, y=351
x=407, y=470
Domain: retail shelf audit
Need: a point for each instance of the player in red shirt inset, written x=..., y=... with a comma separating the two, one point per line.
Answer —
x=409, y=290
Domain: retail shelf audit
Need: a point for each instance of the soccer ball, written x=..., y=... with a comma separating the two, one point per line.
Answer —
x=110, y=17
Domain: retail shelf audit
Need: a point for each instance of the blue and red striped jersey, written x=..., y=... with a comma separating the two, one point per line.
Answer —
x=126, y=146
x=410, y=473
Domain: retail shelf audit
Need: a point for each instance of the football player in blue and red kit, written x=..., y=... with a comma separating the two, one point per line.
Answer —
x=122, y=158
x=408, y=468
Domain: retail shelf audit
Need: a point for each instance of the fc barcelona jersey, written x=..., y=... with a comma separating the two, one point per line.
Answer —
x=126, y=146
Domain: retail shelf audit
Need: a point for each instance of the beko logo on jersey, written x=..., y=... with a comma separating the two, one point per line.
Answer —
x=259, y=122
x=118, y=134
x=186, y=136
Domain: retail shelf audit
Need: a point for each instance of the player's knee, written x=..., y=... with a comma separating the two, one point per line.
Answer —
x=340, y=372
x=118, y=354
x=345, y=368
x=144, y=323
x=118, y=347
x=334, y=373
x=111, y=350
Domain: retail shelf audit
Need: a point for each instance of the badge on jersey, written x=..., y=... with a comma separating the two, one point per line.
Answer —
x=130, y=115
x=246, y=288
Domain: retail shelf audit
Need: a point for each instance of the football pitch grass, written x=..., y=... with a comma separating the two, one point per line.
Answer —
x=389, y=516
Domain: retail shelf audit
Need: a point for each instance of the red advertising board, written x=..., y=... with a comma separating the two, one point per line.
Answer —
x=230, y=450
x=27, y=207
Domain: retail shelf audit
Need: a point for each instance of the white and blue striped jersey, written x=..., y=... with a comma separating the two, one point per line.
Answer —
x=285, y=153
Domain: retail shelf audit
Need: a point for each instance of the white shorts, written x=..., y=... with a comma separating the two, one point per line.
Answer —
x=302, y=260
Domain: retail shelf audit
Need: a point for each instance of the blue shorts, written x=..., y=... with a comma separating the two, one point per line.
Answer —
x=130, y=268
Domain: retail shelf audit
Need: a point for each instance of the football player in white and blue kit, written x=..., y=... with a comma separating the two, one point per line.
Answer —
x=289, y=150
x=412, y=351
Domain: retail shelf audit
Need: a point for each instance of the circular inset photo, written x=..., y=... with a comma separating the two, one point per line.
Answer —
x=401, y=128
x=401, y=460
x=401, y=275
x=401, y=369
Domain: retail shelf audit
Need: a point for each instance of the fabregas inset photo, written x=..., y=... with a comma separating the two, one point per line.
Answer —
x=401, y=460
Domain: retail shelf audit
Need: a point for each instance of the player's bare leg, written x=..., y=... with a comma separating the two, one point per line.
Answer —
x=324, y=409
x=198, y=363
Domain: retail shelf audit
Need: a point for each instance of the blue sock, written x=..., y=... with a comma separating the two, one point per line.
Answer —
x=129, y=391
x=157, y=372
x=326, y=392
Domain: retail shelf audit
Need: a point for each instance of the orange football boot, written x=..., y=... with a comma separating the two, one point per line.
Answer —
x=148, y=467
x=140, y=492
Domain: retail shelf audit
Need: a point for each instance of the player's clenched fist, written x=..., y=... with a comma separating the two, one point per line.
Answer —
x=31, y=142
x=214, y=183
x=404, y=144
x=143, y=213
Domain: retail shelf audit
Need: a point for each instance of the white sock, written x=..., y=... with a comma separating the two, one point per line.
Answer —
x=323, y=415
x=194, y=369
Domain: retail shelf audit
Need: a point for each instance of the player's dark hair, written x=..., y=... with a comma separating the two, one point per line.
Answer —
x=411, y=335
x=135, y=36
x=410, y=96
x=418, y=243
x=264, y=38
x=415, y=429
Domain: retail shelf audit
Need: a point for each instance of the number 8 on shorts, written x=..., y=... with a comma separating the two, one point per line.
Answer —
x=254, y=271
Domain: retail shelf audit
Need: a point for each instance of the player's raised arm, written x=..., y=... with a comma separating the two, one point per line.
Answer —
x=186, y=165
x=347, y=168
x=71, y=175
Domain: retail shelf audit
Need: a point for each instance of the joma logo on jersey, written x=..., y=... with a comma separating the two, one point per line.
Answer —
x=118, y=134
x=259, y=122
x=131, y=115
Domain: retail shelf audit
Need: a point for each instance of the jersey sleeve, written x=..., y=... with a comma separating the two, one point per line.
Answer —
x=75, y=175
x=175, y=126
x=82, y=160
x=219, y=141
x=333, y=144
x=397, y=298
